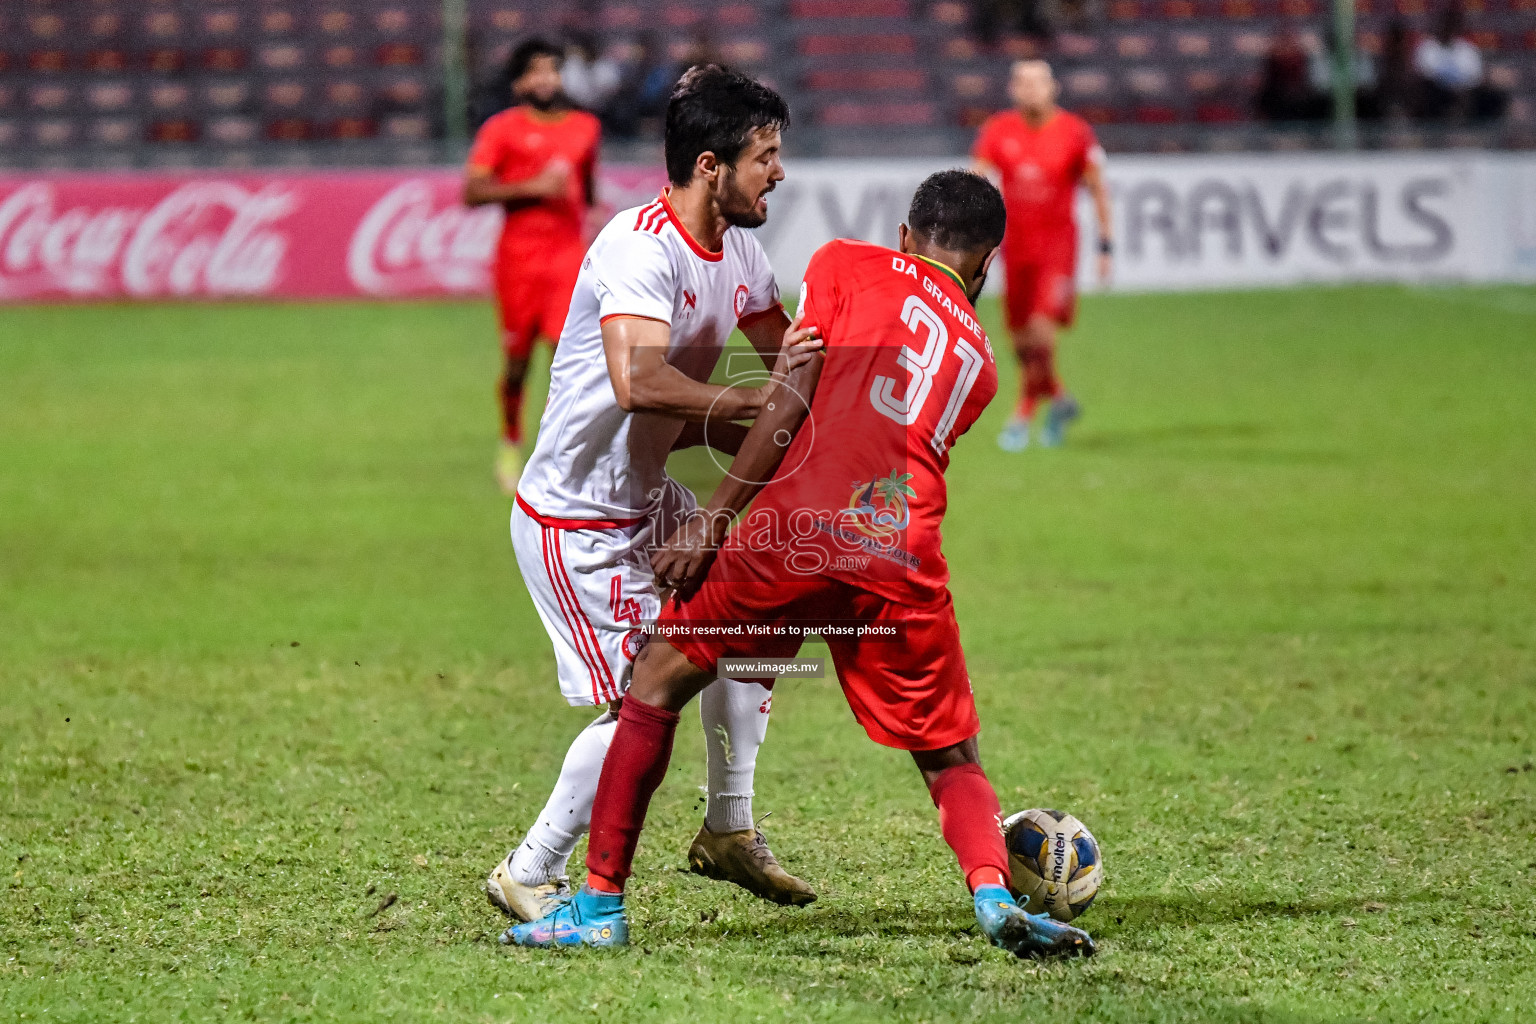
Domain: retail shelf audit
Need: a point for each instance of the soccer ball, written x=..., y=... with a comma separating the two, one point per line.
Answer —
x=1054, y=860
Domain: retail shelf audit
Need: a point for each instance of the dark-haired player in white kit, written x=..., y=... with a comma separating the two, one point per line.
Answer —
x=659, y=293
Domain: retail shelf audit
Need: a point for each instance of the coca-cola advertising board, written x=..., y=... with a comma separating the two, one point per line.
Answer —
x=284, y=235
x=1181, y=223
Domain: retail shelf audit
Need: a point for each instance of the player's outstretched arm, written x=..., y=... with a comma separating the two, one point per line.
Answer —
x=765, y=332
x=643, y=380
x=686, y=556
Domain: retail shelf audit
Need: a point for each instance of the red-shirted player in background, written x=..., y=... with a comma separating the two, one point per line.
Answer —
x=538, y=160
x=1039, y=154
x=847, y=532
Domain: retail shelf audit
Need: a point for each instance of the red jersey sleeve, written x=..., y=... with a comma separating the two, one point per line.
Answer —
x=819, y=293
x=985, y=147
x=489, y=145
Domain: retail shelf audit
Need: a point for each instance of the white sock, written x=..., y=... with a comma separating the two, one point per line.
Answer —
x=735, y=717
x=547, y=848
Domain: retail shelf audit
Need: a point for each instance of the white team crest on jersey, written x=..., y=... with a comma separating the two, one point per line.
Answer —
x=742, y=292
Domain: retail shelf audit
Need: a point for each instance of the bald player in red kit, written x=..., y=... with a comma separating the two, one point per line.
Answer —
x=1039, y=154
x=844, y=538
x=538, y=160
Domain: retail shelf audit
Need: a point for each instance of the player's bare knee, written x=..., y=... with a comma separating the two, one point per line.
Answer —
x=933, y=762
x=665, y=678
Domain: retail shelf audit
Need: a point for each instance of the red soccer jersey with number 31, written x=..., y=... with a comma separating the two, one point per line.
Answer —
x=860, y=495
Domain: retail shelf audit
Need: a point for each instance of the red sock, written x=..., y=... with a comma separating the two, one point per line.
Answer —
x=1039, y=379
x=511, y=413
x=968, y=816
x=636, y=763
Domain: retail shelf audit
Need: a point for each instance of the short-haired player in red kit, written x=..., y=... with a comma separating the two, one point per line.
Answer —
x=845, y=532
x=538, y=160
x=1039, y=154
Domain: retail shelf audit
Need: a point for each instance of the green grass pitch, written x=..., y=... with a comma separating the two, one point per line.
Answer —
x=273, y=700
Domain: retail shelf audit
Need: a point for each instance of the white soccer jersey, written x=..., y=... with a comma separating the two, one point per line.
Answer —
x=593, y=461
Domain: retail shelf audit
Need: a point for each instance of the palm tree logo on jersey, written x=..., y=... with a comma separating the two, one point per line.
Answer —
x=879, y=508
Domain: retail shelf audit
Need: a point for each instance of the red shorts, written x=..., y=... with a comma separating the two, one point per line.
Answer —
x=1041, y=288
x=909, y=690
x=533, y=291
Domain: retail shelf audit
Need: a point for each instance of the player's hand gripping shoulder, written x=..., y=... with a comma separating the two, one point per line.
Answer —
x=800, y=344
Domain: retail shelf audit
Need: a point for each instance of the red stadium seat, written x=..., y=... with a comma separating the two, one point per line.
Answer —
x=233, y=131
x=1086, y=82
x=1125, y=10
x=104, y=25
x=179, y=129
x=169, y=96
x=1098, y=113
x=47, y=26
x=1156, y=114
x=345, y=93
x=1147, y=81
x=1074, y=44
x=814, y=9
x=287, y=94
x=1181, y=10
x=107, y=61
x=227, y=95
x=280, y=56
x=1218, y=113
x=845, y=115
x=351, y=128
x=290, y=129
x=392, y=21
x=165, y=60
x=1192, y=44
x=1299, y=8
x=224, y=58
x=340, y=56
x=163, y=25
x=406, y=127
x=335, y=21
x=744, y=51
x=45, y=62
x=398, y=55
x=840, y=45
x=507, y=20
x=1135, y=46
x=109, y=96
x=736, y=15
x=1204, y=81
x=55, y=131
x=49, y=97
x=113, y=131
x=878, y=80
x=220, y=23
x=279, y=21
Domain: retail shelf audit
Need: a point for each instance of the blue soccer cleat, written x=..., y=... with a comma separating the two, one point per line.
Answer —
x=587, y=919
x=1027, y=936
x=1062, y=413
x=1015, y=436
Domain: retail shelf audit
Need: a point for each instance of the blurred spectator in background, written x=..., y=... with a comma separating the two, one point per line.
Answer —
x=1452, y=70
x=992, y=19
x=640, y=102
x=1286, y=92
x=1321, y=62
x=590, y=74
x=1397, y=84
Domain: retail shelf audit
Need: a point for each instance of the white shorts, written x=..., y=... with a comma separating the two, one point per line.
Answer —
x=593, y=589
